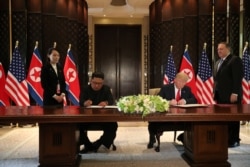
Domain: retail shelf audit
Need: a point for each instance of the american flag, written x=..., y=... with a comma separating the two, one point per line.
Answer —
x=4, y=98
x=204, y=80
x=170, y=70
x=71, y=79
x=246, y=78
x=16, y=85
x=186, y=67
x=34, y=79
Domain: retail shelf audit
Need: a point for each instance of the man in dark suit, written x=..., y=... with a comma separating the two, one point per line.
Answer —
x=178, y=94
x=228, y=75
x=97, y=93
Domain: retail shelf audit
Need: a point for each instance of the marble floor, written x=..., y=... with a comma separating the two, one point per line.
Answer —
x=19, y=148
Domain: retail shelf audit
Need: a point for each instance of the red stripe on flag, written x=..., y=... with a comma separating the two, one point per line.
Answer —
x=17, y=91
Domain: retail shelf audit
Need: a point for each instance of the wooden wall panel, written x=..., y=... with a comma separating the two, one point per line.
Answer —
x=72, y=10
x=152, y=13
x=85, y=13
x=191, y=30
x=166, y=10
x=158, y=11
x=4, y=34
x=205, y=28
x=34, y=27
x=34, y=6
x=220, y=23
x=178, y=31
x=246, y=21
x=62, y=8
x=155, y=56
x=234, y=25
x=48, y=28
x=166, y=34
x=155, y=61
x=19, y=27
x=48, y=7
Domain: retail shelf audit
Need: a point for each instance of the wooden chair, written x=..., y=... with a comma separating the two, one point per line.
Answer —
x=171, y=126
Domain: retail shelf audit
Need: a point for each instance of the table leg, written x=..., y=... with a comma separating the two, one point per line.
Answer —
x=58, y=145
x=206, y=144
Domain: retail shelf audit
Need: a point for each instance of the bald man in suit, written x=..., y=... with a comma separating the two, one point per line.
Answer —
x=228, y=75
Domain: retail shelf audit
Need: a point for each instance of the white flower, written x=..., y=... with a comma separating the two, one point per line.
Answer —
x=144, y=104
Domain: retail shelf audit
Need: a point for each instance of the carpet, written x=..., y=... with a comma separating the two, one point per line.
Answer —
x=19, y=148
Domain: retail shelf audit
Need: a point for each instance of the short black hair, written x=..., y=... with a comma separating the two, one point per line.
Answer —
x=50, y=50
x=97, y=74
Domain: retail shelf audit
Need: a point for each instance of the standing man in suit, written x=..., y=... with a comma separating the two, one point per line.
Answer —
x=178, y=94
x=228, y=76
x=53, y=80
x=97, y=93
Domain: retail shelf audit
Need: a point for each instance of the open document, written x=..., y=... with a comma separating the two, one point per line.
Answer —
x=96, y=106
x=192, y=105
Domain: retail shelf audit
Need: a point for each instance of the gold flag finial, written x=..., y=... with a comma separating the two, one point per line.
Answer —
x=246, y=46
x=205, y=46
x=186, y=47
x=17, y=43
x=69, y=46
x=36, y=44
x=54, y=46
x=171, y=48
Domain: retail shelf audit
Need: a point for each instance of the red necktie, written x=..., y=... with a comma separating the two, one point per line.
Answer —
x=178, y=95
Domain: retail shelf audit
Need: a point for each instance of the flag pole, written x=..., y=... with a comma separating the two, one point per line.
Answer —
x=68, y=51
x=171, y=48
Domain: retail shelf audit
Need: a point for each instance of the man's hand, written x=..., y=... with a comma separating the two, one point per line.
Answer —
x=87, y=103
x=233, y=98
x=103, y=103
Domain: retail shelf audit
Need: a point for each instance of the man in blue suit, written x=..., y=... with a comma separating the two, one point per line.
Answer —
x=178, y=94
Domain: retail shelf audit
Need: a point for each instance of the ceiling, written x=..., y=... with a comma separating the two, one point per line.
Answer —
x=103, y=8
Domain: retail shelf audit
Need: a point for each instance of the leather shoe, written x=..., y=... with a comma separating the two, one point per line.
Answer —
x=150, y=145
x=86, y=150
x=234, y=144
x=180, y=137
x=96, y=145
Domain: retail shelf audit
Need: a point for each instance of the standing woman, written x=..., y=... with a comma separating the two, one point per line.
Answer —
x=53, y=81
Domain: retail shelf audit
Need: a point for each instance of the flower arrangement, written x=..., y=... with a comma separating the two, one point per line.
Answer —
x=144, y=104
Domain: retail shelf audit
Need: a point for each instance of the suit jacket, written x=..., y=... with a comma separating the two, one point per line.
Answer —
x=228, y=79
x=49, y=81
x=104, y=94
x=168, y=92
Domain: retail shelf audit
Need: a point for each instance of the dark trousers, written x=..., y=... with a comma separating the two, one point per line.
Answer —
x=155, y=128
x=233, y=132
x=234, y=126
x=107, y=138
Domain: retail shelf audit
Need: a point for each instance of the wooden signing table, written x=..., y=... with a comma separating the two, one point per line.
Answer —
x=205, y=137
